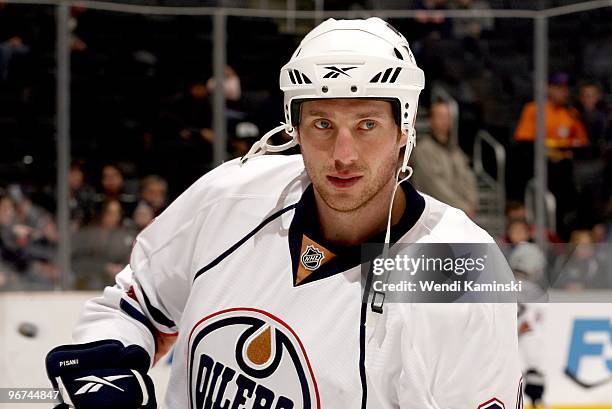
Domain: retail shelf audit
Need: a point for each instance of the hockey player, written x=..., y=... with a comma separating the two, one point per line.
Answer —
x=528, y=264
x=254, y=275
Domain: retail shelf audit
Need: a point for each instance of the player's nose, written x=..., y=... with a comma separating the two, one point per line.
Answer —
x=345, y=148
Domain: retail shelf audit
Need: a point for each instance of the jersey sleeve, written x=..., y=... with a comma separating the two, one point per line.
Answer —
x=461, y=356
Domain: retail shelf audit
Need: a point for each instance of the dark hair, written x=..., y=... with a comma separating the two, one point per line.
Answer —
x=437, y=101
x=514, y=205
x=147, y=180
x=590, y=83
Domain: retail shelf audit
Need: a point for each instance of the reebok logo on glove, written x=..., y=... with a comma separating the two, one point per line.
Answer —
x=94, y=383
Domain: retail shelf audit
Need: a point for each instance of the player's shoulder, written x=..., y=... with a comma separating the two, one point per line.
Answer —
x=445, y=223
x=260, y=177
x=253, y=176
x=260, y=184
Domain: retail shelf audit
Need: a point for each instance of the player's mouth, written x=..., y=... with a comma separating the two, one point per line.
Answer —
x=343, y=182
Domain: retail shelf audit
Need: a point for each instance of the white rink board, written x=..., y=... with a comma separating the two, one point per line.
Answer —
x=54, y=314
x=585, y=325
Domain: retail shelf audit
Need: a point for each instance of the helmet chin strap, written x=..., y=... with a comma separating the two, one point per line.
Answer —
x=404, y=169
x=398, y=181
x=262, y=146
x=378, y=328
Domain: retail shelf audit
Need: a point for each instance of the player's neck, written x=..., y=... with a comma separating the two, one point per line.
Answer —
x=354, y=228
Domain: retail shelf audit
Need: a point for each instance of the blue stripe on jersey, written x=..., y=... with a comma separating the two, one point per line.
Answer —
x=156, y=314
x=242, y=240
x=138, y=316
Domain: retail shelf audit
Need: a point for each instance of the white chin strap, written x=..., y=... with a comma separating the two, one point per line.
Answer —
x=404, y=169
x=378, y=329
x=262, y=146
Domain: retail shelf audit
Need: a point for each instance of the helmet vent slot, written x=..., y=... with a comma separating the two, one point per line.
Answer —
x=395, y=74
x=398, y=54
x=297, y=77
x=385, y=75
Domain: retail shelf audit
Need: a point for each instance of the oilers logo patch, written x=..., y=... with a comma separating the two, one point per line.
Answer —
x=311, y=258
x=248, y=358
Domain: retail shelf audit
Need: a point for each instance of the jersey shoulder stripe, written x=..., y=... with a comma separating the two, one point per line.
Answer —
x=242, y=241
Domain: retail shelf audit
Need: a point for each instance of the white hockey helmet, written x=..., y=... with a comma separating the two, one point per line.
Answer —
x=350, y=59
x=528, y=259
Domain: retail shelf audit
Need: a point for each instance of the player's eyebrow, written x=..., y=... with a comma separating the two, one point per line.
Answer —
x=369, y=114
x=317, y=113
x=360, y=115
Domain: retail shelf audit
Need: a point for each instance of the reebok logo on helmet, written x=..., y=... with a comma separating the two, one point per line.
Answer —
x=335, y=72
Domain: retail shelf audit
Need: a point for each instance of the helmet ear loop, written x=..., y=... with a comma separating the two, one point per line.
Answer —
x=262, y=146
x=410, y=144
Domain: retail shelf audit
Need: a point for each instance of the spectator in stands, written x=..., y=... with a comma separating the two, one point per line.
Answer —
x=101, y=250
x=143, y=215
x=7, y=216
x=82, y=196
x=196, y=112
x=184, y=130
x=579, y=268
x=593, y=114
x=76, y=43
x=517, y=231
x=246, y=133
x=10, y=250
x=28, y=239
x=113, y=188
x=594, y=164
x=154, y=193
x=516, y=211
x=231, y=85
x=471, y=27
x=564, y=133
x=431, y=26
x=13, y=38
x=35, y=226
x=441, y=168
x=10, y=48
x=564, y=130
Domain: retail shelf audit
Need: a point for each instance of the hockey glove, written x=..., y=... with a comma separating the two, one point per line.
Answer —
x=534, y=386
x=101, y=375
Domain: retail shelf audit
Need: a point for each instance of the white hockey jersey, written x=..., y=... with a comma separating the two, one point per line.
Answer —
x=266, y=314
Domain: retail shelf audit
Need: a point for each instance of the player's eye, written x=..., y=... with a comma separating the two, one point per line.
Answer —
x=322, y=124
x=367, y=125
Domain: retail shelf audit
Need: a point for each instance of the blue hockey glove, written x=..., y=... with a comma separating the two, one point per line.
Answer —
x=101, y=375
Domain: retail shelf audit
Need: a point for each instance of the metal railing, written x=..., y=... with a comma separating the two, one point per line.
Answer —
x=550, y=206
x=492, y=189
x=500, y=156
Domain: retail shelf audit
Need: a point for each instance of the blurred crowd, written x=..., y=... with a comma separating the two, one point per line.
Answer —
x=142, y=125
x=104, y=220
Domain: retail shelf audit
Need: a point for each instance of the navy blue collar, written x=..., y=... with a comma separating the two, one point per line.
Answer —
x=306, y=223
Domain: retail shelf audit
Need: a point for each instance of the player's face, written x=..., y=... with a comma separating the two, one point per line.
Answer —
x=350, y=149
